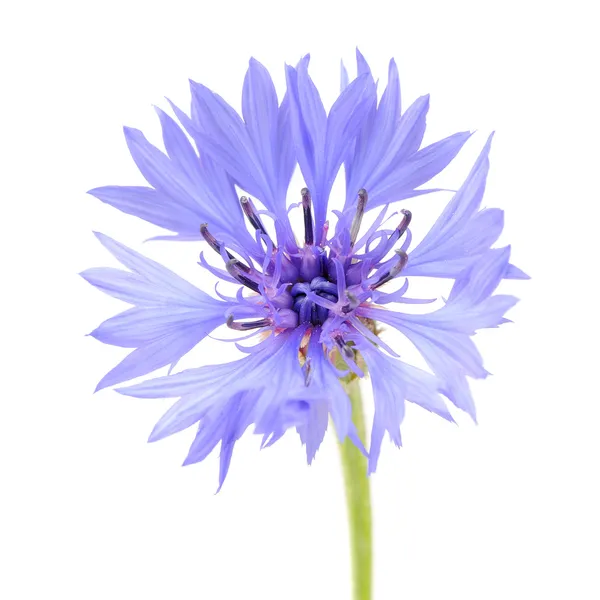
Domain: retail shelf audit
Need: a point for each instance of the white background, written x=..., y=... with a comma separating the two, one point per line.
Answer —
x=505, y=509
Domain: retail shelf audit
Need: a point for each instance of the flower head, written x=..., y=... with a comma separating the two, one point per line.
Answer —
x=313, y=303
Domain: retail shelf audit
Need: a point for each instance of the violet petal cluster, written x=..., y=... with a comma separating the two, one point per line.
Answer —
x=313, y=302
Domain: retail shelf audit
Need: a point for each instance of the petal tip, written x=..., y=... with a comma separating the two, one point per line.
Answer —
x=102, y=384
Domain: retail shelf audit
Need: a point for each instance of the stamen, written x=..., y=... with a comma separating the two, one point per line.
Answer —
x=394, y=271
x=210, y=238
x=405, y=222
x=363, y=197
x=252, y=215
x=309, y=238
x=247, y=325
x=343, y=347
x=238, y=271
x=354, y=303
x=218, y=246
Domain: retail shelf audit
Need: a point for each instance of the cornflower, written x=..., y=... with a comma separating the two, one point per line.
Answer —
x=313, y=304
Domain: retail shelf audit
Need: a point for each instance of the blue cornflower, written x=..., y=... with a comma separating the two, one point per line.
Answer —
x=314, y=304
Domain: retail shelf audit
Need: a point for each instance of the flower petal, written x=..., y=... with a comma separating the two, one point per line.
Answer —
x=160, y=352
x=417, y=170
x=394, y=382
x=169, y=318
x=321, y=142
x=442, y=336
x=141, y=325
x=152, y=206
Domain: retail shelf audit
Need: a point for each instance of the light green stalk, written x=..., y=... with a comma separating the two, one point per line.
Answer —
x=358, y=498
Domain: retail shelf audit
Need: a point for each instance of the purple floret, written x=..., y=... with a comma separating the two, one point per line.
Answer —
x=311, y=303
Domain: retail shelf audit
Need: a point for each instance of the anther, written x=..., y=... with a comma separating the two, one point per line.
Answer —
x=354, y=303
x=210, y=238
x=343, y=347
x=247, y=325
x=363, y=197
x=217, y=246
x=252, y=214
x=309, y=238
x=394, y=271
x=238, y=271
x=403, y=226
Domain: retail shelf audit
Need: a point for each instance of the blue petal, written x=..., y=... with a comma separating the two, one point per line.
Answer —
x=268, y=388
x=378, y=153
x=224, y=423
x=442, y=336
x=305, y=133
x=152, y=206
x=227, y=142
x=515, y=273
x=286, y=161
x=344, y=80
x=257, y=153
x=324, y=377
x=481, y=280
x=203, y=380
x=125, y=286
x=160, y=352
x=269, y=128
x=362, y=66
x=463, y=232
x=237, y=424
x=457, y=214
x=389, y=110
x=168, y=285
x=322, y=142
x=248, y=151
x=170, y=316
x=345, y=120
x=260, y=111
x=417, y=170
x=394, y=382
x=180, y=150
x=188, y=191
x=141, y=325
x=214, y=193
x=160, y=172
x=312, y=429
x=407, y=138
x=385, y=160
x=311, y=107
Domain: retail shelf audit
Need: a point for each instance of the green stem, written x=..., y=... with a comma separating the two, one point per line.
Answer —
x=358, y=499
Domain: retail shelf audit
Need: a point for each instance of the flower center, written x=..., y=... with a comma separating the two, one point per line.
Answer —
x=309, y=284
x=308, y=311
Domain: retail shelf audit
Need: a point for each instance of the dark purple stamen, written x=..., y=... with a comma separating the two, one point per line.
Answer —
x=343, y=347
x=238, y=271
x=252, y=215
x=309, y=238
x=218, y=246
x=211, y=239
x=354, y=303
x=394, y=271
x=403, y=226
x=363, y=197
x=247, y=325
